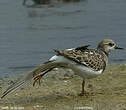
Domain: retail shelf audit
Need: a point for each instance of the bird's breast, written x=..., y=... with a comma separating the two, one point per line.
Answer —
x=81, y=70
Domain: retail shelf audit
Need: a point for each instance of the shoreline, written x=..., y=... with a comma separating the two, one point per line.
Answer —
x=58, y=92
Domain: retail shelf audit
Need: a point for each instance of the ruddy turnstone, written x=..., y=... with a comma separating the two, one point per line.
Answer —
x=87, y=63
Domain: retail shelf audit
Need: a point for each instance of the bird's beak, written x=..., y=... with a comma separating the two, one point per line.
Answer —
x=119, y=48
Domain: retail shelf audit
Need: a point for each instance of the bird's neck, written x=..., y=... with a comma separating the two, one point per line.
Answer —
x=104, y=51
x=105, y=54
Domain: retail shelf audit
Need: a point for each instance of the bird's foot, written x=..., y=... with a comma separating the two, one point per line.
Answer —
x=81, y=94
x=86, y=94
x=37, y=78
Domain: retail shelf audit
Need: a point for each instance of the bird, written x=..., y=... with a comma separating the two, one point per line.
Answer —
x=37, y=2
x=85, y=62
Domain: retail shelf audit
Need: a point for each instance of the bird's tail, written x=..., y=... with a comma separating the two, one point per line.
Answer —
x=41, y=69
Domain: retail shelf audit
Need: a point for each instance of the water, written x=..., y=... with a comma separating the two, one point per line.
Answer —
x=28, y=35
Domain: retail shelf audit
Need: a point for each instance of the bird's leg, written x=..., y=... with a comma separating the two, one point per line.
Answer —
x=38, y=77
x=83, y=91
x=83, y=85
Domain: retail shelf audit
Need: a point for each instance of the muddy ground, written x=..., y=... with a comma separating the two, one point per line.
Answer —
x=57, y=92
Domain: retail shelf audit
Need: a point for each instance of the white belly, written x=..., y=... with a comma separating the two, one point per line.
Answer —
x=84, y=72
x=79, y=69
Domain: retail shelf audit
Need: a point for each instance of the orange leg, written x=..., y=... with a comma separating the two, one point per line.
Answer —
x=38, y=77
x=83, y=91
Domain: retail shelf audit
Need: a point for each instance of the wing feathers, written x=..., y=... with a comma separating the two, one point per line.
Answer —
x=31, y=75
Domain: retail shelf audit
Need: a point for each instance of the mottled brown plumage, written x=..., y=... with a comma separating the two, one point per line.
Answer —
x=92, y=58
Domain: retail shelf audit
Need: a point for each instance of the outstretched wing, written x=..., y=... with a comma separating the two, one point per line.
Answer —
x=88, y=57
x=40, y=69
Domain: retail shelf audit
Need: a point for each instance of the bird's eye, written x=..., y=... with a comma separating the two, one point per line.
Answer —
x=111, y=44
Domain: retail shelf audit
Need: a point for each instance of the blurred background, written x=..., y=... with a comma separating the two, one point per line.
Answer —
x=29, y=31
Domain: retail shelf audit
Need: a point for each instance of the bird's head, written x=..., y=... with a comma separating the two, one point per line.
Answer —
x=107, y=45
